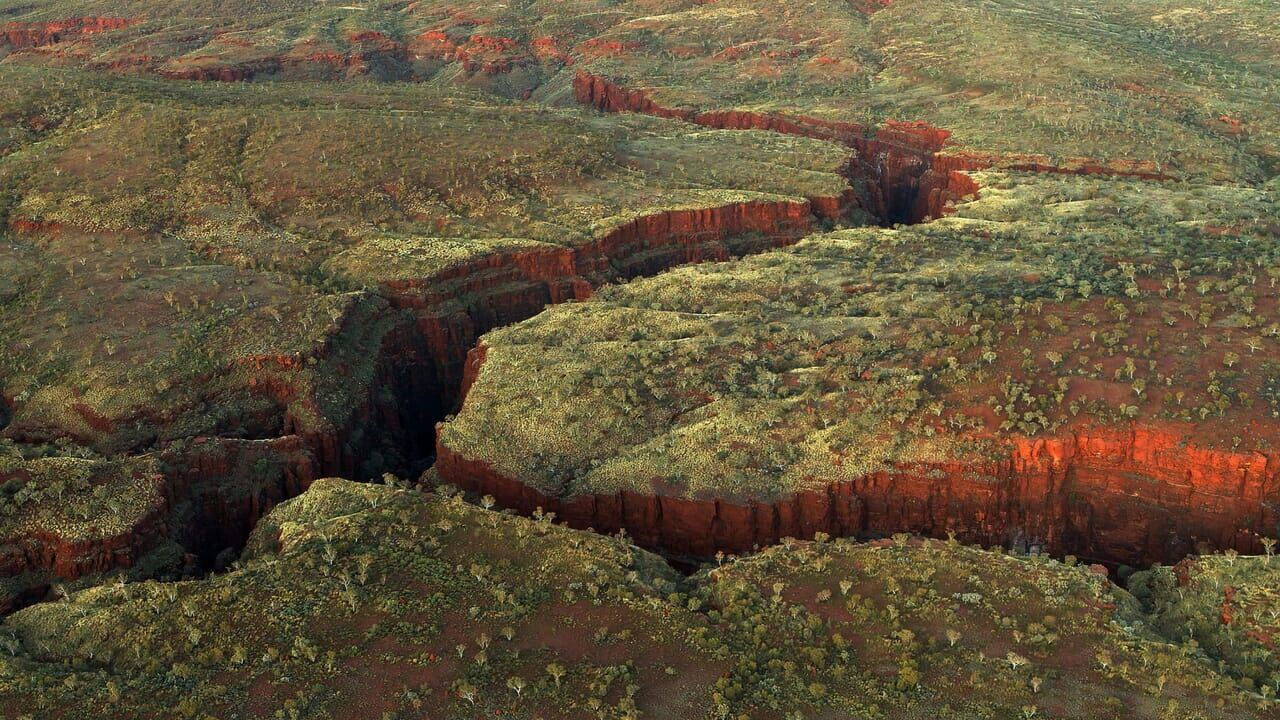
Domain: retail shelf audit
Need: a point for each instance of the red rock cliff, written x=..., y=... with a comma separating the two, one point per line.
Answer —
x=897, y=161
x=1134, y=497
x=21, y=35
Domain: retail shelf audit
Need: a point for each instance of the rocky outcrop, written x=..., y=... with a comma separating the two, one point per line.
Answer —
x=36, y=546
x=207, y=495
x=370, y=54
x=1134, y=498
x=484, y=54
x=22, y=35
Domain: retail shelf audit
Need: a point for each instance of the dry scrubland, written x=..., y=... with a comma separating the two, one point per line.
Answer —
x=246, y=245
x=210, y=261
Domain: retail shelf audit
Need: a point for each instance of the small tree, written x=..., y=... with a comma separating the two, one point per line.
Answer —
x=517, y=684
x=1015, y=660
x=556, y=671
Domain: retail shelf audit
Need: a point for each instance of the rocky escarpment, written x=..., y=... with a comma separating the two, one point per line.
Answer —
x=909, y=177
x=362, y=54
x=21, y=35
x=1131, y=497
x=452, y=309
x=215, y=489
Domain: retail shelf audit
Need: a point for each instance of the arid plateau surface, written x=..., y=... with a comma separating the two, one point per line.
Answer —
x=658, y=359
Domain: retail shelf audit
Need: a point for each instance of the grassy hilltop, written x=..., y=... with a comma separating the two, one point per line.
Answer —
x=370, y=601
x=1189, y=87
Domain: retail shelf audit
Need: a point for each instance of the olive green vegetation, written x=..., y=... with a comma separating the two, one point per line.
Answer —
x=1050, y=301
x=1189, y=87
x=397, y=603
x=59, y=495
x=76, y=500
x=1224, y=607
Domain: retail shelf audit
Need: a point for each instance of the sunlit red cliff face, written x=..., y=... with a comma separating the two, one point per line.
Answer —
x=1131, y=496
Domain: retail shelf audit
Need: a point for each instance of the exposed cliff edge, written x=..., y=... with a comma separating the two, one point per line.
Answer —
x=1133, y=496
x=214, y=489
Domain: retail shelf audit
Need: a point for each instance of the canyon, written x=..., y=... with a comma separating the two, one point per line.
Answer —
x=215, y=489
x=1120, y=501
x=911, y=172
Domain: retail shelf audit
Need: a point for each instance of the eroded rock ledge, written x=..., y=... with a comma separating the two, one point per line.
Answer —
x=22, y=35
